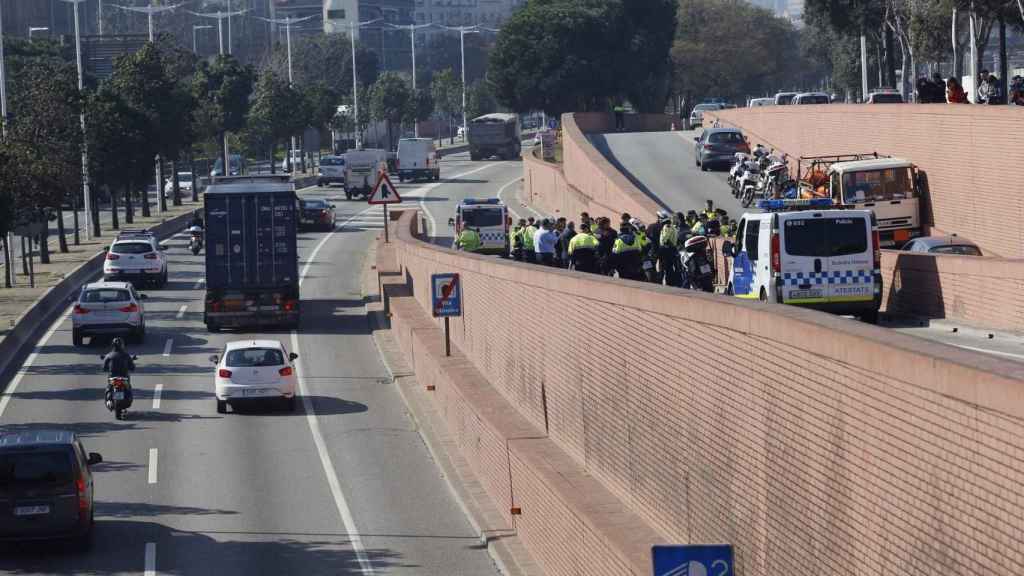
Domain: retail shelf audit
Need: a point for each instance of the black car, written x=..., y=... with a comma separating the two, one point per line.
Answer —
x=46, y=486
x=317, y=213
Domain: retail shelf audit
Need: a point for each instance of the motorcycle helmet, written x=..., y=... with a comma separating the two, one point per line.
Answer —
x=664, y=216
x=695, y=244
x=117, y=344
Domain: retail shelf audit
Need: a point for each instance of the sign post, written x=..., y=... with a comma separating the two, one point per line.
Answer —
x=384, y=192
x=446, y=296
x=695, y=560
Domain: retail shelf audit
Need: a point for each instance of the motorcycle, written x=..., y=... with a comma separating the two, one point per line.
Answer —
x=751, y=172
x=699, y=273
x=738, y=167
x=195, y=241
x=118, y=396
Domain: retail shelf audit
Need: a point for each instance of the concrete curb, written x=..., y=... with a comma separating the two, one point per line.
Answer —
x=34, y=321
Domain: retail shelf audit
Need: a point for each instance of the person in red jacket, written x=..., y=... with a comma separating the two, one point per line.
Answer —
x=954, y=92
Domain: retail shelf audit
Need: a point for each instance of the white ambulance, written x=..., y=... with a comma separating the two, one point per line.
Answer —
x=489, y=217
x=805, y=253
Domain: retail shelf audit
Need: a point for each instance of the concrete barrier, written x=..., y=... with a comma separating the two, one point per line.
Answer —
x=812, y=443
x=41, y=314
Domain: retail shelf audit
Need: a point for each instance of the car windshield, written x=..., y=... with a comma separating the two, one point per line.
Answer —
x=961, y=249
x=329, y=161
x=131, y=248
x=254, y=357
x=318, y=204
x=482, y=218
x=101, y=295
x=825, y=237
x=877, y=185
x=726, y=138
x=35, y=468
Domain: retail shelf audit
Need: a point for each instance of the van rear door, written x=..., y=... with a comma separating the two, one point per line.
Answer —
x=826, y=257
x=803, y=251
x=851, y=258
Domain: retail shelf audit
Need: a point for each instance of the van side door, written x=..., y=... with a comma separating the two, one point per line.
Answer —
x=742, y=265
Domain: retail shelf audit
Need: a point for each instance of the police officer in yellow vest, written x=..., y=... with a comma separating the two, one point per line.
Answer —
x=516, y=239
x=583, y=250
x=668, y=252
x=468, y=241
x=627, y=253
x=527, y=236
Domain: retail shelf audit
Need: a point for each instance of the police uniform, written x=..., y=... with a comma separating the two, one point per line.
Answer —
x=468, y=241
x=583, y=252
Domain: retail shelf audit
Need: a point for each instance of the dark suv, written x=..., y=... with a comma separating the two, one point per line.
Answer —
x=46, y=487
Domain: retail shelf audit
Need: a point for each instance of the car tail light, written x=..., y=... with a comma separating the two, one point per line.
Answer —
x=80, y=310
x=223, y=373
x=216, y=305
x=708, y=146
x=286, y=371
x=744, y=147
x=133, y=307
x=776, y=254
x=83, y=500
x=150, y=256
x=876, y=246
x=111, y=256
x=289, y=305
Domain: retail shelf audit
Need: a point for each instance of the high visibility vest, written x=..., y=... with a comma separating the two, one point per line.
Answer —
x=583, y=240
x=527, y=235
x=669, y=235
x=468, y=240
x=620, y=246
x=514, y=235
x=711, y=214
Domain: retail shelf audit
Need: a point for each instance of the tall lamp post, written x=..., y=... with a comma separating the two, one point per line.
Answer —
x=355, y=85
x=287, y=22
x=198, y=27
x=149, y=11
x=412, y=40
x=463, y=30
x=90, y=217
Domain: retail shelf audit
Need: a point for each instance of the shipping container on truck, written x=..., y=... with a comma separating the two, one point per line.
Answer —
x=252, y=264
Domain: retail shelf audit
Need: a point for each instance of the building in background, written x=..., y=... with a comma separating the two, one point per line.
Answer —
x=489, y=13
x=791, y=9
x=392, y=46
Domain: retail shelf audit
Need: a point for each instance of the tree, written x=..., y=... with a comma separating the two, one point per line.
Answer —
x=221, y=90
x=446, y=91
x=321, y=103
x=480, y=100
x=421, y=105
x=325, y=58
x=390, y=99
x=648, y=28
x=118, y=150
x=443, y=52
x=277, y=112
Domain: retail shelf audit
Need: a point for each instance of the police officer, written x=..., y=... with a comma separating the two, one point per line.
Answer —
x=469, y=240
x=527, y=236
x=516, y=239
x=709, y=210
x=668, y=252
x=583, y=250
x=627, y=254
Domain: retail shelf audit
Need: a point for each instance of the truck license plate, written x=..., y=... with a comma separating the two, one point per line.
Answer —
x=31, y=510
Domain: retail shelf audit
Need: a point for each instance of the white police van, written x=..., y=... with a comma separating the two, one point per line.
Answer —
x=805, y=253
x=489, y=217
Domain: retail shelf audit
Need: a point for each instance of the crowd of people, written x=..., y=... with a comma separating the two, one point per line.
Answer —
x=989, y=91
x=632, y=250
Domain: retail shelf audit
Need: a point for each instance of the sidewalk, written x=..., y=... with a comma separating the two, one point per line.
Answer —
x=15, y=301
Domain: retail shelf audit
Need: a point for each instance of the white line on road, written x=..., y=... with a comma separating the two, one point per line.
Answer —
x=501, y=191
x=318, y=439
x=157, y=391
x=428, y=187
x=150, y=562
x=13, y=386
x=167, y=346
x=181, y=311
x=152, y=465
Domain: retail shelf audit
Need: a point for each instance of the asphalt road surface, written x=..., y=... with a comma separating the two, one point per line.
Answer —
x=344, y=485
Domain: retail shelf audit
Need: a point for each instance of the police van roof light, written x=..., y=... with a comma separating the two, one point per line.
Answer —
x=473, y=201
x=786, y=204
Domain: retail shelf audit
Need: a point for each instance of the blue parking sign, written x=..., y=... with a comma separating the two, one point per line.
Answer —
x=446, y=295
x=696, y=560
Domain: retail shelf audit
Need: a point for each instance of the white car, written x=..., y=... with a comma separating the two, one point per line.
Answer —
x=184, y=184
x=254, y=370
x=136, y=256
x=108, y=309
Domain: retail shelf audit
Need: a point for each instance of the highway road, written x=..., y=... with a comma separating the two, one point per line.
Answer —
x=345, y=485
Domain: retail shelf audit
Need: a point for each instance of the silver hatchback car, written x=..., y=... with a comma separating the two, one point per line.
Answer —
x=108, y=309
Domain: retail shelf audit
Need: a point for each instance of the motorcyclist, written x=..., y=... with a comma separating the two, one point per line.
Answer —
x=197, y=219
x=119, y=363
x=699, y=274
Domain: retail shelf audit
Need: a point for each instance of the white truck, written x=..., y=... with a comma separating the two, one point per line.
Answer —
x=361, y=169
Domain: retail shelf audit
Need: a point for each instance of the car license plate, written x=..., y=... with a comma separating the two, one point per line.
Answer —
x=805, y=294
x=119, y=395
x=705, y=269
x=252, y=392
x=31, y=510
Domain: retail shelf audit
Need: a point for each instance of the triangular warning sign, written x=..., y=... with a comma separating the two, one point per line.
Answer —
x=384, y=192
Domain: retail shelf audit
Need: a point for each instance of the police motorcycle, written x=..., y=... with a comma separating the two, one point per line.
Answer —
x=699, y=273
x=118, y=396
x=195, y=239
x=738, y=167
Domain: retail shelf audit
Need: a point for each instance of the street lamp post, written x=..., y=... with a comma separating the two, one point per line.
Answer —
x=412, y=40
x=90, y=218
x=149, y=11
x=355, y=85
x=220, y=16
x=288, y=41
x=198, y=27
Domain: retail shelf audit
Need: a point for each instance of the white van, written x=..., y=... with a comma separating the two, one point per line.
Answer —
x=489, y=217
x=417, y=158
x=824, y=259
x=361, y=170
x=758, y=102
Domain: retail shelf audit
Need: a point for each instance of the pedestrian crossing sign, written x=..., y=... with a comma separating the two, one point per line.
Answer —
x=384, y=192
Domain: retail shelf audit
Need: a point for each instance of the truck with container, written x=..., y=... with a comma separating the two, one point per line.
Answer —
x=495, y=135
x=361, y=169
x=252, y=263
x=889, y=187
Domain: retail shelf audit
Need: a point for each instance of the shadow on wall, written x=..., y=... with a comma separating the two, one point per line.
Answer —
x=916, y=287
x=600, y=142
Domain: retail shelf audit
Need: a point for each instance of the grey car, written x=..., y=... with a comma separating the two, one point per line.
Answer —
x=108, y=309
x=951, y=244
x=718, y=146
x=46, y=486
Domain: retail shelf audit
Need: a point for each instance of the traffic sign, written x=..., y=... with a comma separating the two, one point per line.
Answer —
x=697, y=560
x=447, y=295
x=384, y=192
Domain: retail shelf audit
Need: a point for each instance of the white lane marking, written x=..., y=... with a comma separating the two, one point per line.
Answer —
x=428, y=187
x=318, y=439
x=167, y=346
x=150, y=562
x=13, y=386
x=181, y=311
x=987, y=351
x=199, y=284
x=157, y=391
x=501, y=191
x=152, y=465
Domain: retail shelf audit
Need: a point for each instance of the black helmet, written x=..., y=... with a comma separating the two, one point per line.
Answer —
x=117, y=344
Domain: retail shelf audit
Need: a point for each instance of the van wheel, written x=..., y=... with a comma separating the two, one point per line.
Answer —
x=870, y=317
x=763, y=297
